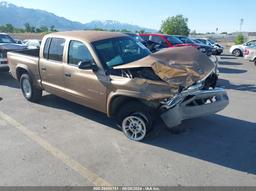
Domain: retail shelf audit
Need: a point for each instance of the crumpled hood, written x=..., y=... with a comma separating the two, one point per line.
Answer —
x=179, y=67
x=12, y=46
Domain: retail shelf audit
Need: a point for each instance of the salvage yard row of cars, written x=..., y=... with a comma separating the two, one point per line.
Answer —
x=118, y=75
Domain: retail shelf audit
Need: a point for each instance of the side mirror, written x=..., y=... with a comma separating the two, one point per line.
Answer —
x=87, y=65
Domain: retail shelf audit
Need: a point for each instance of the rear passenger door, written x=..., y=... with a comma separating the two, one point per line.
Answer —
x=51, y=66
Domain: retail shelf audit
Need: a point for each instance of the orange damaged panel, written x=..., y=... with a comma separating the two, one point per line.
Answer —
x=181, y=66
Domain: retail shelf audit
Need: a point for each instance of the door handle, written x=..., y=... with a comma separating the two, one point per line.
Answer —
x=68, y=75
x=44, y=69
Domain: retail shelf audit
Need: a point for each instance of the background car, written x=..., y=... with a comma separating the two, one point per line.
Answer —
x=218, y=49
x=32, y=43
x=7, y=43
x=199, y=45
x=164, y=41
x=250, y=53
x=237, y=50
x=152, y=46
x=18, y=41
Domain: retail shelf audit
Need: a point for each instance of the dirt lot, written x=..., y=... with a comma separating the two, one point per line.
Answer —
x=59, y=143
x=23, y=36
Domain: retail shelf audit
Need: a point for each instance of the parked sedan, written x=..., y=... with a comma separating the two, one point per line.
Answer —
x=217, y=47
x=7, y=43
x=237, y=50
x=152, y=46
x=200, y=46
x=250, y=54
x=164, y=41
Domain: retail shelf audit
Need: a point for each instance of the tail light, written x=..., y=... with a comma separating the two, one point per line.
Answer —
x=246, y=52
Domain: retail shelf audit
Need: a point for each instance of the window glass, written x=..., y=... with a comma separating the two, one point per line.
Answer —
x=56, y=49
x=186, y=40
x=145, y=38
x=118, y=51
x=6, y=39
x=203, y=41
x=173, y=40
x=157, y=39
x=78, y=52
x=46, y=48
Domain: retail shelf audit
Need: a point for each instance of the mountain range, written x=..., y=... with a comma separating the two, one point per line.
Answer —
x=18, y=16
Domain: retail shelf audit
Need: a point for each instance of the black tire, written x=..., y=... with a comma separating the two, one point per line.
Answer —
x=31, y=93
x=137, y=110
x=237, y=53
x=219, y=53
x=254, y=61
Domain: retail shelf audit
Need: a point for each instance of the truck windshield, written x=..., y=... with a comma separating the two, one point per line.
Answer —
x=119, y=51
x=6, y=39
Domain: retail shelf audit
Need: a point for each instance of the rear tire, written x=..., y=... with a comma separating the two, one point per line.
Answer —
x=135, y=120
x=237, y=53
x=254, y=61
x=30, y=92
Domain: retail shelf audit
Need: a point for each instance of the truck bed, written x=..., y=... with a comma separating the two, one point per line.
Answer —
x=25, y=59
x=28, y=52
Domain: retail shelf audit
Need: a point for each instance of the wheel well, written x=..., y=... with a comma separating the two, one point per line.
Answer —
x=117, y=101
x=20, y=71
x=237, y=49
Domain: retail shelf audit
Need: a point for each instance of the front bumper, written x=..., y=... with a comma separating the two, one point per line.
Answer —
x=196, y=104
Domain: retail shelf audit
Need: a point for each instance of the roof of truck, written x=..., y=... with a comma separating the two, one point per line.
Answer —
x=89, y=36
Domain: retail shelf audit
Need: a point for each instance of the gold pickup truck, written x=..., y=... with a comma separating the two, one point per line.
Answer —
x=115, y=74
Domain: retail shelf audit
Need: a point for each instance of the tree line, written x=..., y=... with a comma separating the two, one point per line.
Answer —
x=9, y=28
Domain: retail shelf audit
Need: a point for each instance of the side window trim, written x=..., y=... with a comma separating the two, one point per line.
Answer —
x=47, y=45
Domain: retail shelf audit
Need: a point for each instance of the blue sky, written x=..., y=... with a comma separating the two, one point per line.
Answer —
x=203, y=15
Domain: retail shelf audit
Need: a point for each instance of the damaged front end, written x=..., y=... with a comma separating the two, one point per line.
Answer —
x=196, y=101
x=181, y=82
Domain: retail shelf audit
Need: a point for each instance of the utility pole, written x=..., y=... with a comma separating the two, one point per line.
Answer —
x=241, y=24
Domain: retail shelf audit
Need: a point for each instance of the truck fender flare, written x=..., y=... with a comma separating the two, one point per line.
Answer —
x=24, y=67
x=121, y=96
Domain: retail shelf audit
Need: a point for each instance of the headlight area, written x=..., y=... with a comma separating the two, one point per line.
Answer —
x=3, y=57
x=209, y=83
x=202, y=50
x=198, y=100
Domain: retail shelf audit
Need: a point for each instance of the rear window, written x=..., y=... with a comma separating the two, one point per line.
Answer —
x=56, y=49
x=173, y=40
x=185, y=40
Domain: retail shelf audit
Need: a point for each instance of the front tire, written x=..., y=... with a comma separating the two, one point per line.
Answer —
x=237, y=53
x=30, y=92
x=136, y=120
